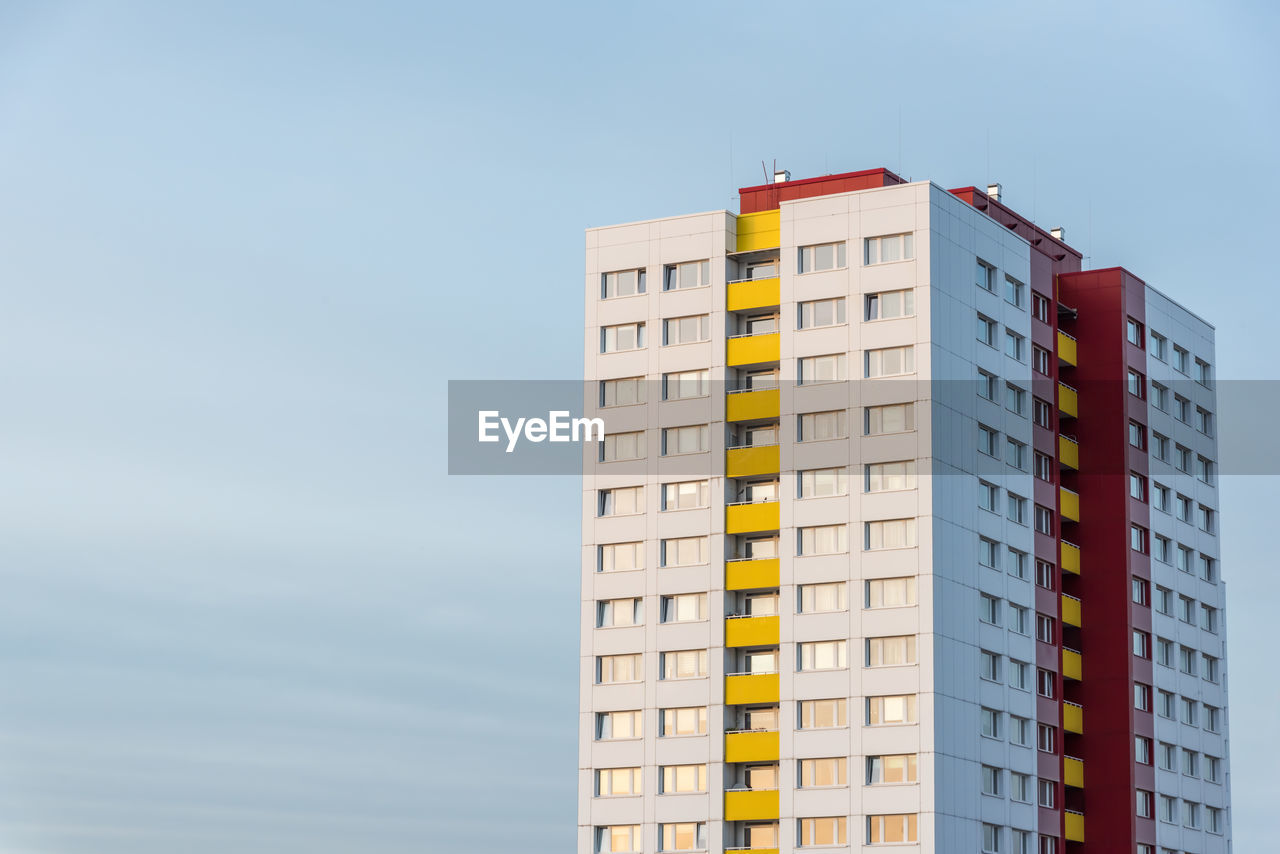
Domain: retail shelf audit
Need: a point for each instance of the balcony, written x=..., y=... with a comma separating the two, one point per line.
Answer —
x=752, y=405
x=1066, y=348
x=1074, y=825
x=1072, y=664
x=758, y=574
x=751, y=631
x=747, y=688
x=751, y=805
x=1070, y=611
x=758, y=230
x=1069, y=452
x=748, y=462
x=1068, y=401
x=754, y=746
x=1073, y=718
x=753, y=349
x=1069, y=504
x=1073, y=772
x=1070, y=559
x=750, y=517
x=753, y=293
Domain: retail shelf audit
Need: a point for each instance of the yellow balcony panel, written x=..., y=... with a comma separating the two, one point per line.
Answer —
x=1070, y=558
x=753, y=293
x=1069, y=504
x=752, y=574
x=758, y=805
x=1072, y=665
x=748, y=462
x=751, y=747
x=754, y=349
x=751, y=631
x=1067, y=348
x=759, y=230
x=1073, y=718
x=1068, y=452
x=1070, y=610
x=1068, y=402
x=752, y=405
x=1074, y=826
x=746, y=518
x=750, y=688
x=1073, y=772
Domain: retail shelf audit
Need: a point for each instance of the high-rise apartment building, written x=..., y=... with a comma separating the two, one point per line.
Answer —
x=904, y=533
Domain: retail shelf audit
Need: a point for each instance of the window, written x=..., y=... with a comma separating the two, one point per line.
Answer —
x=1164, y=707
x=618, y=839
x=820, y=483
x=1137, y=384
x=1181, y=408
x=897, y=768
x=988, y=329
x=890, y=829
x=684, y=664
x=1164, y=600
x=1142, y=697
x=1041, y=413
x=1168, y=809
x=1183, y=561
x=823, y=540
x=625, y=336
x=990, y=723
x=1015, y=345
x=619, y=612
x=684, y=551
x=1014, y=291
x=1015, y=399
x=612, y=726
x=1133, y=331
x=990, y=839
x=985, y=276
x=824, y=312
x=988, y=496
x=1045, y=574
x=682, y=778
x=687, y=495
x=1163, y=549
x=1040, y=360
x=622, y=501
x=612, y=782
x=1209, y=618
x=692, y=274
x=686, y=330
x=611, y=669
x=890, y=361
x=1040, y=307
x=1017, y=509
x=1159, y=396
x=623, y=283
x=622, y=446
x=1212, y=768
x=1138, y=538
x=899, y=709
x=890, y=592
x=1187, y=609
x=1145, y=804
x=1204, y=421
x=1187, y=660
x=1205, y=518
x=1044, y=520
x=890, y=534
x=1160, y=447
x=686, y=384
x=992, y=781
x=893, y=418
x=889, y=477
x=1212, y=718
x=988, y=385
x=820, y=426
x=1141, y=644
x=890, y=304
x=1046, y=683
x=989, y=609
x=891, y=651
x=1159, y=345
x=989, y=666
x=1019, y=731
x=1160, y=497
x=815, y=773
x=889, y=248
x=684, y=608
x=823, y=714
x=823, y=831
x=1017, y=563
x=682, y=836
x=1137, y=435
x=1137, y=486
x=816, y=598
x=1203, y=373
x=1204, y=469
x=822, y=655
x=1208, y=569
x=823, y=256
x=988, y=553
x=1048, y=793
x=684, y=721
x=620, y=557
x=1019, y=619
x=1044, y=628
x=1211, y=665
x=1046, y=738
x=623, y=392
x=823, y=369
x=693, y=439
x=1190, y=763
x=1168, y=756
x=1213, y=819
x=1180, y=359
x=1184, y=508
x=1020, y=787
x=988, y=441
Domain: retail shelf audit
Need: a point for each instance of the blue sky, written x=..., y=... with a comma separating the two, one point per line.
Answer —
x=244, y=245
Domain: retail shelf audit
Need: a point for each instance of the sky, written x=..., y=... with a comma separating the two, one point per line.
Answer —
x=243, y=246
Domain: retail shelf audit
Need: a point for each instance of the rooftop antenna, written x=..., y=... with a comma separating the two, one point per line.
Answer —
x=765, y=170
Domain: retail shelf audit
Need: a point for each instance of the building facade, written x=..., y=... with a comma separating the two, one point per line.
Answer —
x=903, y=532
